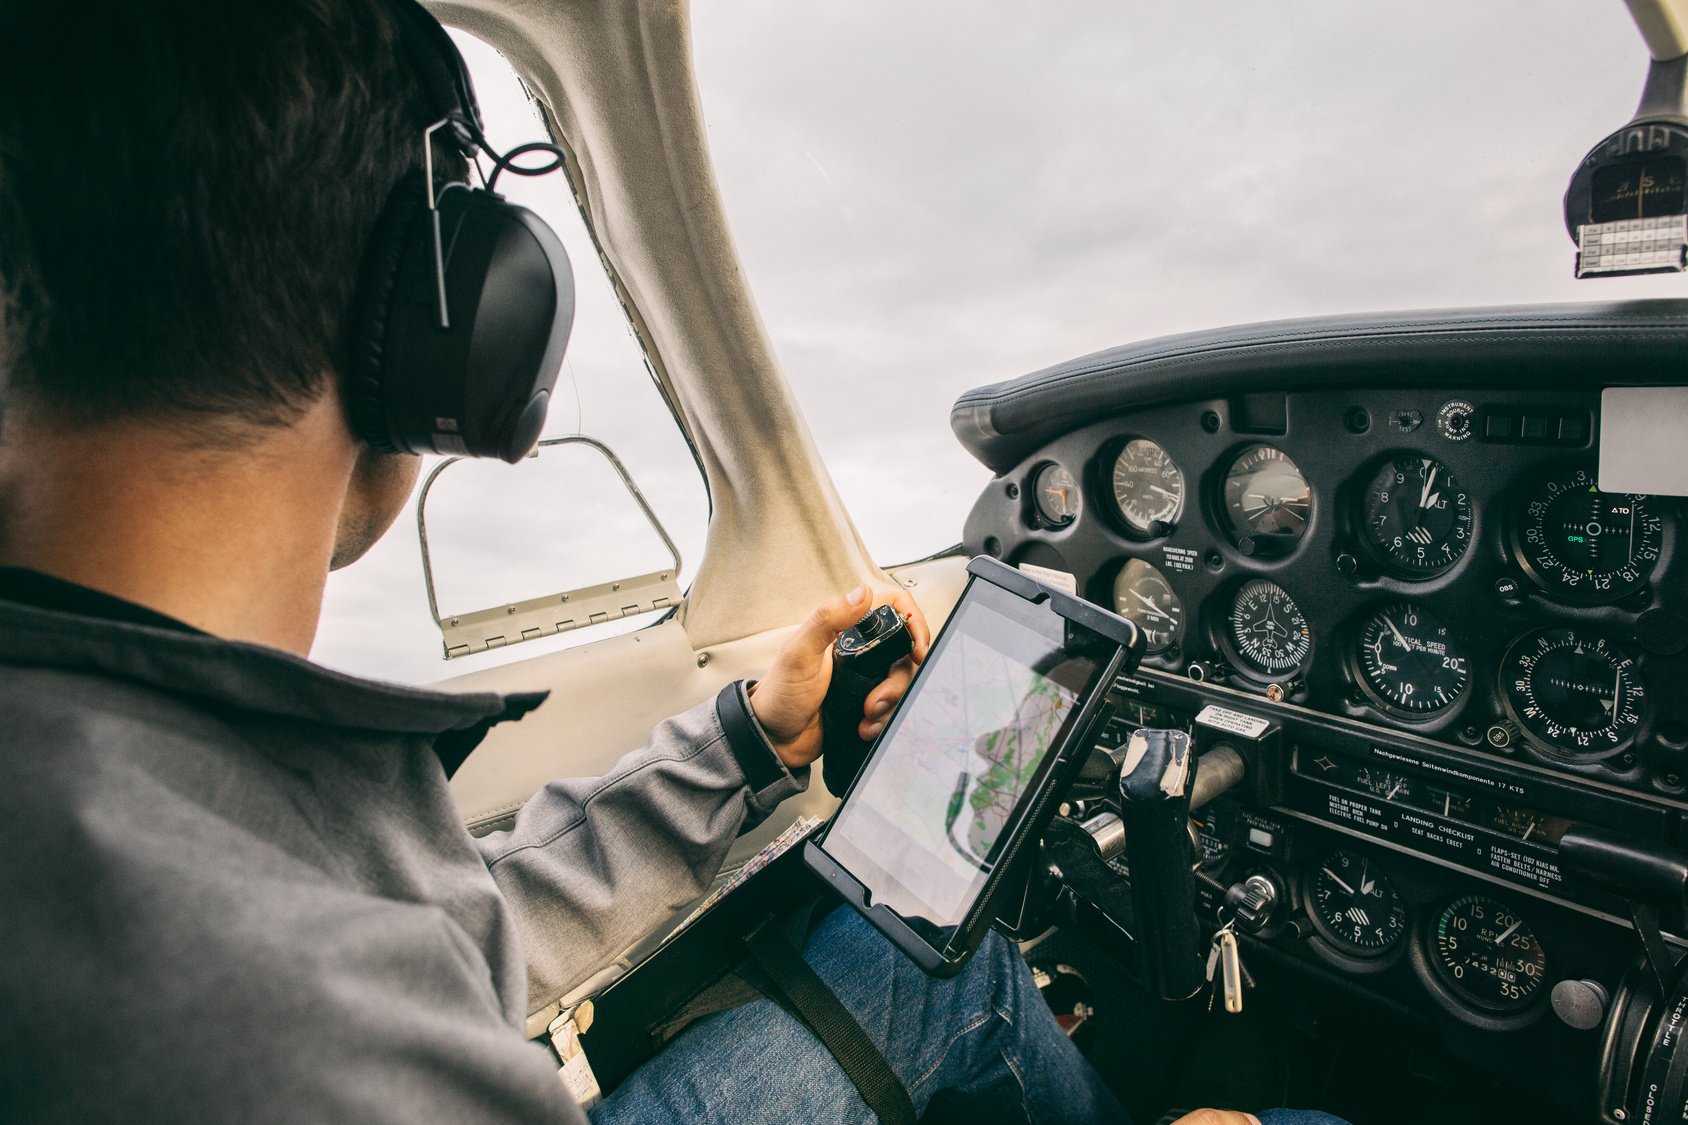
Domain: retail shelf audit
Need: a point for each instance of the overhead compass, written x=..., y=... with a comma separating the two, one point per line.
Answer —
x=1416, y=517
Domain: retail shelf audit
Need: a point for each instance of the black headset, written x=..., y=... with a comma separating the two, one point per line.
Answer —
x=465, y=300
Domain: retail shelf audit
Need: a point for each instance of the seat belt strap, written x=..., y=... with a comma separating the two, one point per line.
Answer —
x=799, y=990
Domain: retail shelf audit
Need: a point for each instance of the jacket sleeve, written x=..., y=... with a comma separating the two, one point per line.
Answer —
x=595, y=864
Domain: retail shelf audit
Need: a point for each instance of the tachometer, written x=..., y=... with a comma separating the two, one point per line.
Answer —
x=1148, y=487
x=1143, y=596
x=1056, y=496
x=1267, y=500
x=1583, y=545
x=1355, y=906
x=1409, y=663
x=1487, y=954
x=1416, y=517
x=1268, y=632
x=1573, y=692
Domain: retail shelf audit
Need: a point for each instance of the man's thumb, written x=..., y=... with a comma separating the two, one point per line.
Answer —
x=833, y=616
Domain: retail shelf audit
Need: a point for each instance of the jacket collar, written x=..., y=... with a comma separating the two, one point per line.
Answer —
x=251, y=678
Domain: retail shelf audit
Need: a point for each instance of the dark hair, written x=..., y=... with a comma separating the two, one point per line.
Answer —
x=186, y=189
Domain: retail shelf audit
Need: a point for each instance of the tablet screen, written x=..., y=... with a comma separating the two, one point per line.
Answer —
x=924, y=825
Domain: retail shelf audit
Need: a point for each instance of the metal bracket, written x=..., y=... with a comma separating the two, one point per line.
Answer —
x=483, y=629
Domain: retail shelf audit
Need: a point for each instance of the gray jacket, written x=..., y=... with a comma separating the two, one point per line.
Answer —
x=234, y=885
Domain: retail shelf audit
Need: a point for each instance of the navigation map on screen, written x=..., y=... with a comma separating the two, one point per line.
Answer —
x=968, y=743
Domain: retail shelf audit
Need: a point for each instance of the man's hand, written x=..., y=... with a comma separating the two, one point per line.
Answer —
x=787, y=702
x=1217, y=1117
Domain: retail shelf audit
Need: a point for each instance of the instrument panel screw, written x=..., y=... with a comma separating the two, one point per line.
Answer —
x=1358, y=421
x=1013, y=491
x=702, y=659
x=1210, y=422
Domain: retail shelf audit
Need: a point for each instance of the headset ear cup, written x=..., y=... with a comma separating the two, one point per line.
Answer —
x=365, y=381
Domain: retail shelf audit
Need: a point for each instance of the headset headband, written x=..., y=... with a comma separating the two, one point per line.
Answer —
x=439, y=66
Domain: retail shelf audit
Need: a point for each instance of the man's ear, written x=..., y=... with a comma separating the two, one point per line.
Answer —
x=376, y=492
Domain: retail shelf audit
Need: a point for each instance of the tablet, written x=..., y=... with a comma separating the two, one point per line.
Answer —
x=998, y=719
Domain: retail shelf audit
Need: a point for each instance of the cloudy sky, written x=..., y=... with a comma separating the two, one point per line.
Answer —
x=928, y=197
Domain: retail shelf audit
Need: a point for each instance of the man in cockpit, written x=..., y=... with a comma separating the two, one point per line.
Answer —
x=233, y=884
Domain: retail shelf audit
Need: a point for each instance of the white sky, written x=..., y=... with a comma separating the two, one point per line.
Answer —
x=929, y=197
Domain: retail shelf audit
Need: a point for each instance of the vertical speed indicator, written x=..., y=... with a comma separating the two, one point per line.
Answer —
x=1409, y=662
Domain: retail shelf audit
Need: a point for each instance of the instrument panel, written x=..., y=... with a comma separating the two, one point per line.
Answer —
x=1419, y=560
x=1372, y=561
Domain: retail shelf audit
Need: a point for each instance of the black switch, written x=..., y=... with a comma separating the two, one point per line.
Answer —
x=1532, y=427
x=1497, y=426
x=1573, y=428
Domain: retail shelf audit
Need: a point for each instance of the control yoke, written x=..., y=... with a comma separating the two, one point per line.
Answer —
x=1156, y=780
x=1159, y=780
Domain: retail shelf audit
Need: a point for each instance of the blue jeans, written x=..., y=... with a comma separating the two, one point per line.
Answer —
x=984, y=1038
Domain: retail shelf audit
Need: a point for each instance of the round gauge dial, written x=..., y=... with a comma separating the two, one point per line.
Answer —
x=1055, y=493
x=1409, y=663
x=1266, y=497
x=1586, y=546
x=1143, y=596
x=1215, y=827
x=1355, y=906
x=1573, y=692
x=1268, y=631
x=1148, y=487
x=1417, y=517
x=1487, y=954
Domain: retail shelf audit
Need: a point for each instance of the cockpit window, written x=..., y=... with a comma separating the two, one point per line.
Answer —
x=503, y=533
x=933, y=197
